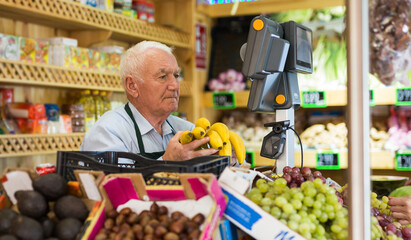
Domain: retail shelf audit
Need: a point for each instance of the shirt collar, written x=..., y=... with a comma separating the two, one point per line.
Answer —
x=145, y=126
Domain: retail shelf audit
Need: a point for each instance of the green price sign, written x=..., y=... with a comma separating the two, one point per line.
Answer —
x=403, y=162
x=250, y=158
x=314, y=99
x=403, y=97
x=328, y=160
x=224, y=100
x=372, y=98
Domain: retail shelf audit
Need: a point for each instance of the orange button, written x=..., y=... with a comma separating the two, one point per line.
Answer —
x=258, y=24
x=280, y=99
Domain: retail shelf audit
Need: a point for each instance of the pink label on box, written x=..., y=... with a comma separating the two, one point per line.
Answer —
x=166, y=195
x=198, y=187
x=120, y=190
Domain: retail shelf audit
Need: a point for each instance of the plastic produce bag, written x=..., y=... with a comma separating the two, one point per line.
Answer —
x=390, y=40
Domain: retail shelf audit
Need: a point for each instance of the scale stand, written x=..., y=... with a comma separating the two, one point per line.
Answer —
x=287, y=157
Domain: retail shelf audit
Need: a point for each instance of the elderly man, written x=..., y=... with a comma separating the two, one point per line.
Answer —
x=150, y=75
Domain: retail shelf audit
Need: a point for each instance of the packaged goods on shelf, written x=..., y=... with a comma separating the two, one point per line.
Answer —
x=76, y=112
x=399, y=124
x=10, y=46
x=42, y=52
x=111, y=57
x=141, y=7
x=150, y=12
x=81, y=58
x=63, y=55
x=62, y=41
x=95, y=60
x=6, y=96
x=128, y=12
x=65, y=124
x=27, y=49
x=89, y=109
x=105, y=5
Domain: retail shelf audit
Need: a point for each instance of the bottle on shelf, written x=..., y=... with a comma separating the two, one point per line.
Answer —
x=89, y=109
x=98, y=103
x=106, y=101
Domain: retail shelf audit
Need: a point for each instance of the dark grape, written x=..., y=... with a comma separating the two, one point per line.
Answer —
x=323, y=179
x=406, y=232
x=387, y=217
x=317, y=174
x=306, y=171
x=391, y=227
x=288, y=178
x=294, y=175
x=295, y=169
x=375, y=211
x=383, y=223
x=293, y=185
x=286, y=169
x=310, y=178
x=398, y=233
x=299, y=179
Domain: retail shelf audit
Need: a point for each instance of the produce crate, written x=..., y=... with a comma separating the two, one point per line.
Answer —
x=108, y=162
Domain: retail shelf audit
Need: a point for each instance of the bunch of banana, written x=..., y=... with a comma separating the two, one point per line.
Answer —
x=221, y=138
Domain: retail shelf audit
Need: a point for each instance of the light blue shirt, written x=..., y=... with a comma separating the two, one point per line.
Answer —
x=114, y=131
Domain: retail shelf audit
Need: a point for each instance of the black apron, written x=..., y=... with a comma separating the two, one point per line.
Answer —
x=153, y=155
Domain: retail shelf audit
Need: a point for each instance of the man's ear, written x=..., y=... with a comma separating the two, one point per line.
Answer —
x=131, y=86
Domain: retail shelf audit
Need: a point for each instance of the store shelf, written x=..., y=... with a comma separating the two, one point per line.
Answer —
x=382, y=96
x=74, y=16
x=266, y=6
x=15, y=72
x=32, y=144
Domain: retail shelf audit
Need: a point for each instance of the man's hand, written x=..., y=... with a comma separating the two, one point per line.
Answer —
x=178, y=152
x=401, y=209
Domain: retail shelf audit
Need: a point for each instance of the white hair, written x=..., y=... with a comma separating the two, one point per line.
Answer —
x=133, y=59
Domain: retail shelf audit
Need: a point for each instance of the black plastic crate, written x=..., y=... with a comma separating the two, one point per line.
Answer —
x=108, y=162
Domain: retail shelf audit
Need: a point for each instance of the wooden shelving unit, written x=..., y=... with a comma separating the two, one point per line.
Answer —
x=34, y=144
x=90, y=21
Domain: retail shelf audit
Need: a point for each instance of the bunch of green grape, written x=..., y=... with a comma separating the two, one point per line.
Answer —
x=376, y=230
x=382, y=204
x=312, y=210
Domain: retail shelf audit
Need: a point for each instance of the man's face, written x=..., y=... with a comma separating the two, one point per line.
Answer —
x=160, y=88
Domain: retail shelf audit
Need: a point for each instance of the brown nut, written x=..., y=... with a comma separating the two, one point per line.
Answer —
x=183, y=236
x=120, y=219
x=176, y=227
x=109, y=223
x=191, y=226
x=164, y=219
x=144, y=220
x=116, y=229
x=194, y=235
x=148, y=237
x=112, y=213
x=137, y=227
x=125, y=211
x=153, y=223
x=132, y=218
x=163, y=210
x=198, y=218
x=160, y=231
x=101, y=236
x=148, y=229
x=139, y=234
x=154, y=208
x=112, y=235
x=118, y=236
x=124, y=228
x=130, y=234
x=176, y=215
x=171, y=236
x=105, y=231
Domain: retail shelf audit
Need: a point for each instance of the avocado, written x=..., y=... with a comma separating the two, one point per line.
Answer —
x=52, y=186
x=70, y=207
x=31, y=204
x=48, y=226
x=6, y=218
x=68, y=228
x=26, y=228
x=8, y=237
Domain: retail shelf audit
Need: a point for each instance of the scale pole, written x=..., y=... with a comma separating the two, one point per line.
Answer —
x=287, y=157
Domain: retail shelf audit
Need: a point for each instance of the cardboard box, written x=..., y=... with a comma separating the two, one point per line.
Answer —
x=247, y=215
x=42, y=52
x=11, y=47
x=118, y=189
x=27, y=49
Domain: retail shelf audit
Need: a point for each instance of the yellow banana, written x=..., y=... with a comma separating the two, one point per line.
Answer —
x=198, y=132
x=227, y=150
x=238, y=145
x=222, y=130
x=215, y=140
x=186, y=137
x=204, y=123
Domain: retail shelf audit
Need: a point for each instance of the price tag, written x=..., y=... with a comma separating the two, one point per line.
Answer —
x=314, y=99
x=250, y=158
x=224, y=100
x=372, y=98
x=403, y=97
x=328, y=160
x=403, y=162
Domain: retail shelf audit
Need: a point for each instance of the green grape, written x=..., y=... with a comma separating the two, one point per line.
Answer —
x=260, y=181
x=271, y=184
x=337, y=206
x=331, y=199
x=280, y=182
x=383, y=206
x=324, y=217
x=320, y=197
x=308, y=201
x=304, y=208
x=330, y=190
x=312, y=217
x=266, y=201
x=318, y=183
x=310, y=192
x=256, y=198
x=373, y=195
x=317, y=212
x=293, y=225
x=276, y=212
x=263, y=187
x=343, y=222
x=331, y=215
x=307, y=235
x=253, y=191
x=342, y=234
x=297, y=204
x=304, y=228
x=288, y=208
x=280, y=201
x=303, y=213
x=266, y=208
x=335, y=228
x=339, y=214
x=385, y=199
x=283, y=221
x=295, y=217
x=328, y=208
x=270, y=195
x=286, y=195
x=320, y=230
x=317, y=205
x=298, y=195
x=294, y=191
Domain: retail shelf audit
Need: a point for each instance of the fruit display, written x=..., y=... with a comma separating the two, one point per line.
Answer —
x=230, y=80
x=157, y=223
x=47, y=211
x=221, y=138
